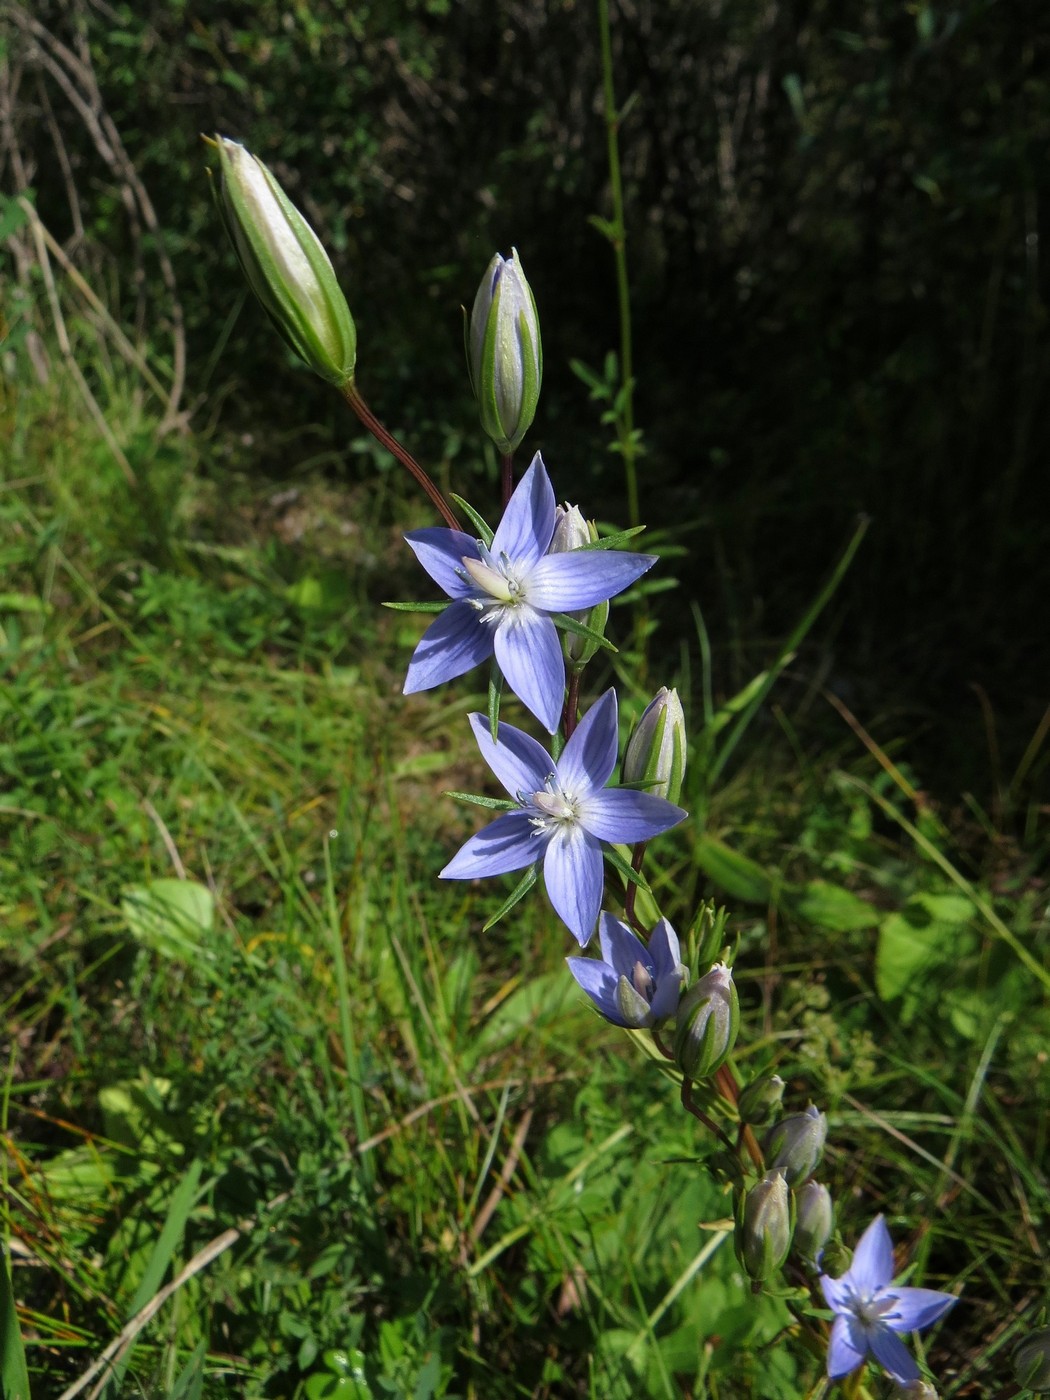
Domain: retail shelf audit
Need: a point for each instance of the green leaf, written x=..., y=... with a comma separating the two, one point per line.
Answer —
x=626, y=869
x=14, y=1377
x=948, y=908
x=170, y=916
x=494, y=804
x=613, y=541
x=417, y=607
x=478, y=521
x=495, y=690
x=580, y=629
x=740, y=877
x=831, y=907
x=517, y=894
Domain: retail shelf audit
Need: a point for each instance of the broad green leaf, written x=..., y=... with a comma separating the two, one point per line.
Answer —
x=170, y=916
x=834, y=908
x=740, y=877
x=14, y=1378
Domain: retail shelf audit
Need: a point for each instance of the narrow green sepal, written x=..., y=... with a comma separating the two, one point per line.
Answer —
x=517, y=894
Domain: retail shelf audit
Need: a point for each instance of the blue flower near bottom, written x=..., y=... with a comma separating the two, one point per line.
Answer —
x=870, y=1311
x=633, y=985
x=566, y=812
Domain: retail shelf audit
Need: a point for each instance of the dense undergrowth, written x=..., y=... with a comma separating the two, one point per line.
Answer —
x=255, y=1054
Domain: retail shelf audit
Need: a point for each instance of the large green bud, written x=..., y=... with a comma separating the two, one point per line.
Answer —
x=763, y=1227
x=654, y=759
x=706, y=1024
x=504, y=353
x=1031, y=1361
x=285, y=264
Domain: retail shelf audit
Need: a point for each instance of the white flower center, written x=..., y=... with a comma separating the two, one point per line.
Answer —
x=643, y=981
x=499, y=581
x=870, y=1309
x=552, y=808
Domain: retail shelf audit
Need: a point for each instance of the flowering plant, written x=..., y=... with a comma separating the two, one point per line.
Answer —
x=531, y=597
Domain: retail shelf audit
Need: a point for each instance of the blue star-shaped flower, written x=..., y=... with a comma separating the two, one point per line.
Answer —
x=870, y=1311
x=633, y=985
x=566, y=813
x=503, y=597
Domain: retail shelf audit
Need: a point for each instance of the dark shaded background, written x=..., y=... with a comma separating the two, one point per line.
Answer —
x=834, y=231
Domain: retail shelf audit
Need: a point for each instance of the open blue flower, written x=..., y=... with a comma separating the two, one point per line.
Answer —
x=633, y=985
x=566, y=813
x=870, y=1311
x=503, y=597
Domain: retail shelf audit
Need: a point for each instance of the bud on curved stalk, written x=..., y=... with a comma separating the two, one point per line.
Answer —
x=504, y=354
x=706, y=1025
x=760, y=1099
x=1031, y=1361
x=655, y=755
x=571, y=531
x=814, y=1221
x=285, y=264
x=795, y=1144
x=763, y=1227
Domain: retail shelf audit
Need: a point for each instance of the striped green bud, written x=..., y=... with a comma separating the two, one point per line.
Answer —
x=285, y=264
x=504, y=353
x=654, y=759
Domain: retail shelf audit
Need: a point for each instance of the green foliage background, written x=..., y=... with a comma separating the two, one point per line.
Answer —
x=834, y=223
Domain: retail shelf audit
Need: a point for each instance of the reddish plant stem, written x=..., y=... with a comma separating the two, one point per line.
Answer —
x=701, y=1116
x=727, y=1087
x=658, y=1042
x=632, y=889
x=384, y=436
x=506, y=463
x=571, y=713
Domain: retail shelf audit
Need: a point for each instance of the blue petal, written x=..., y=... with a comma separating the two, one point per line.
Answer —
x=892, y=1355
x=620, y=814
x=667, y=995
x=508, y=843
x=583, y=577
x=918, y=1308
x=529, y=655
x=441, y=552
x=588, y=759
x=664, y=949
x=455, y=642
x=517, y=760
x=837, y=1291
x=872, y=1265
x=572, y=871
x=528, y=522
x=843, y=1354
x=600, y=984
x=620, y=948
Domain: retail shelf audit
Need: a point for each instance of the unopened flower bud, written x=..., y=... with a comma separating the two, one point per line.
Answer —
x=706, y=1025
x=1031, y=1360
x=794, y=1145
x=814, y=1220
x=760, y=1099
x=571, y=531
x=285, y=264
x=504, y=354
x=655, y=755
x=915, y=1390
x=763, y=1227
